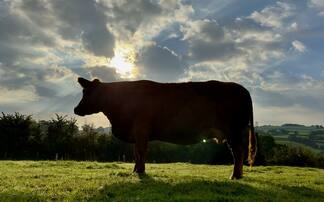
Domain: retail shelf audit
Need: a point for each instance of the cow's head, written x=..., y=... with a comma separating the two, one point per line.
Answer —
x=89, y=102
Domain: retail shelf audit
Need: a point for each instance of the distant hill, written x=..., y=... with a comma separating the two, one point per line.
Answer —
x=292, y=125
x=308, y=136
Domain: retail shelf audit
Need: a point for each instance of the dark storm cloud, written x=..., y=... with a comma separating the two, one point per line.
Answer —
x=160, y=64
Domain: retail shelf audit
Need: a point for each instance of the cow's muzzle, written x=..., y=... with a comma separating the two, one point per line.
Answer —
x=77, y=111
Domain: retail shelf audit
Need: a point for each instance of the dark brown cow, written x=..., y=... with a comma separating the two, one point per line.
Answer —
x=181, y=113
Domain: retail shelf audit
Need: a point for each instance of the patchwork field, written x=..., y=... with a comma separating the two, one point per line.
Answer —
x=310, y=137
x=93, y=181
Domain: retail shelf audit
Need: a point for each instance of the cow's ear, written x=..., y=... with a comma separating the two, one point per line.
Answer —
x=84, y=82
x=95, y=82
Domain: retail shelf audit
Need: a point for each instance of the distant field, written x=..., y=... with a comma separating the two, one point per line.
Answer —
x=281, y=141
x=281, y=135
x=92, y=181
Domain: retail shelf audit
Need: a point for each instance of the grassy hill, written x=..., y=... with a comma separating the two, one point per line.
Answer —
x=311, y=137
x=92, y=181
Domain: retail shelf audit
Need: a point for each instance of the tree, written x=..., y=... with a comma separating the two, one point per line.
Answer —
x=15, y=133
x=60, y=135
x=89, y=137
x=266, y=147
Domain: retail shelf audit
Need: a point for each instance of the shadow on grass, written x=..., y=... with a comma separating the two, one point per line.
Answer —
x=196, y=190
x=19, y=196
x=149, y=189
x=296, y=192
x=145, y=178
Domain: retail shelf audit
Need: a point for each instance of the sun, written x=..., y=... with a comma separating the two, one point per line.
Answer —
x=124, y=62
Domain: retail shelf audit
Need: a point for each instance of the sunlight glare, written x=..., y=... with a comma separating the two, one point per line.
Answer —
x=123, y=61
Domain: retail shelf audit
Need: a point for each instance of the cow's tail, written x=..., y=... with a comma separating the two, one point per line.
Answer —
x=252, y=141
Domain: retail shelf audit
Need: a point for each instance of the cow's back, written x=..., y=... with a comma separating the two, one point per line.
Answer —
x=182, y=112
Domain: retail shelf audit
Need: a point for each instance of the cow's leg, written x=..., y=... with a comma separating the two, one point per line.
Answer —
x=140, y=150
x=238, y=157
x=238, y=143
x=140, y=153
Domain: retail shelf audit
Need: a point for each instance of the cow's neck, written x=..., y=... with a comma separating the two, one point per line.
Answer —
x=110, y=105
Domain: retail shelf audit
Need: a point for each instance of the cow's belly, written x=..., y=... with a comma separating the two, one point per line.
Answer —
x=191, y=136
x=123, y=133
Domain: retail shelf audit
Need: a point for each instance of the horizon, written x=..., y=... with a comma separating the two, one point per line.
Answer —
x=274, y=49
x=108, y=125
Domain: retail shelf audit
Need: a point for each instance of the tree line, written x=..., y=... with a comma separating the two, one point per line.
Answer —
x=22, y=137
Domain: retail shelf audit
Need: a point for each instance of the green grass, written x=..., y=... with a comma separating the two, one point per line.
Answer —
x=93, y=181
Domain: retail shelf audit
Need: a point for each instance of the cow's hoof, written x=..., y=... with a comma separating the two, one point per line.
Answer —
x=139, y=169
x=235, y=177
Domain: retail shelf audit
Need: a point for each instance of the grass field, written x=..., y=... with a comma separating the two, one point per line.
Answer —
x=93, y=181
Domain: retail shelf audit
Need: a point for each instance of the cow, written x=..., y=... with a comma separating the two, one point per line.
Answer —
x=180, y=113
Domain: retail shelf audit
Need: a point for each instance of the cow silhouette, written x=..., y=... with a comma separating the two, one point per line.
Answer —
x=180, y=113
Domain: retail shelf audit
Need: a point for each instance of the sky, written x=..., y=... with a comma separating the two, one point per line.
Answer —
x=273, y=48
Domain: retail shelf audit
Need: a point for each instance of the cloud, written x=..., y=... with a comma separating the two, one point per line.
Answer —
x=99, y=41
x=255, y=43
x=19, y=38
x=317, y=5
x=284, y=89
x=85, y=19
x=299, y=46
x=289, y=114
x=159, y=63
x=208, y=41
x=141, y=12
x=148, y=18
x=238, y=47
x=273, y=16
x=18, y=96
x=104, y=73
